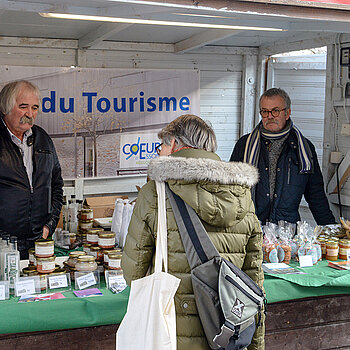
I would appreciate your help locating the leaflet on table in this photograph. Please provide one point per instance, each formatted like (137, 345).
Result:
(340, 265)
(92, 292)
(40, 297)
(280, 268)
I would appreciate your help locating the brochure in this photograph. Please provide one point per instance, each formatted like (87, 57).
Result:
(50, 296)
(88, 293)
(280, 268)
(340, 265)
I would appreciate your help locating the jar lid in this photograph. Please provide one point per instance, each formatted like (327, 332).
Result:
(95, 248)
(76, 253)
(344, 241)
(86, 258)
(94, 230)
(114, 256)
(31, 251)
(88, 221)
(50, 258)
(44, 242)
(106, 235)
(72, 234)
(85, 210)
(58, 271)
(29, 272)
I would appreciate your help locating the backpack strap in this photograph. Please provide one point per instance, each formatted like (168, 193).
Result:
(192, 231)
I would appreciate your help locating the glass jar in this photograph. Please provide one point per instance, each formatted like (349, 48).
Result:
(86, 248)
(46, 265)
(44, 248)
(108, 251)
(86, 263)
(106, 240)
(114, 261)
(29, 271)
(332, 250)
(85, 225)
(72, 238)
(86, 214)
(92, 235)
(97, 252)
(344, 248)
(32, 260)
(322, 243)
(73, 256)
(43, 281)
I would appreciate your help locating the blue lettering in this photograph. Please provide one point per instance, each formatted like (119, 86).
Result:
(142, 102)
(167, 101)
(89, 102)
(152, 106)
(142, 150)
(115, 105)
(124, 151)
(152, 147)
(184, 103)
(70, 109)
(131, 103)
(107, 105)
(52, 103)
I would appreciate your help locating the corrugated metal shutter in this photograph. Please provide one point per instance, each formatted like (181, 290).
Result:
(304, 79)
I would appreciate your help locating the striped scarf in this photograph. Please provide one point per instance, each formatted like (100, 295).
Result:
(252, 146)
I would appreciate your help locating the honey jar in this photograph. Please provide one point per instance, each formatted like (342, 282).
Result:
(86, 214)
(114, 261)
(44, 248)
(73, 257)
(86, 263)
(344, 248)
(106, 240)
(97, 252)
(92, 235)
(46, 265)
(332, 250)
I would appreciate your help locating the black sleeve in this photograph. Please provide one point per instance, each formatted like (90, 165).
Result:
(238, 150)
(315, 194)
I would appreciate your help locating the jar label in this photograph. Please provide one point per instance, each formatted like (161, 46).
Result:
(106, 242)
(44, 250)
(48, 265)
(92, 237)
(332, 252)
(86, 225)
(116, 263)
(344, 251)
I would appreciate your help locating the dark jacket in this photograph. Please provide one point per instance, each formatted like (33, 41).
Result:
(219, 192)
(23, 212)
(290, 185)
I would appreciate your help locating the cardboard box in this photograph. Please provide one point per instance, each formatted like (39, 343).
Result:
(102, 206)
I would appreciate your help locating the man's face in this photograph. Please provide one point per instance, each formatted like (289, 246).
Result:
(274, 103)
(23, 114)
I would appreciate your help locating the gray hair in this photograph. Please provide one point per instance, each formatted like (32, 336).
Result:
(10, 91)
(276, 92)
(190, 130)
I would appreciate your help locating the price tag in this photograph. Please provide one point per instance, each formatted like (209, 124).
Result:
(86, 281)
(25, 287)
(2, 292)
(57, 281)
(119, 280)
(305, 260)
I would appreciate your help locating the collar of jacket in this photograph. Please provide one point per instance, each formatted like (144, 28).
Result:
(200, 165)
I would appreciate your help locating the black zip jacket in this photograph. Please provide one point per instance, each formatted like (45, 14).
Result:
(24, 212)
(290, 185)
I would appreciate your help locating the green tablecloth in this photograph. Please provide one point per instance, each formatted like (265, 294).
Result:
(318, 280)
(71, 312)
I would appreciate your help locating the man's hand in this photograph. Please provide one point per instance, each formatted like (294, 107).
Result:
(46, 231)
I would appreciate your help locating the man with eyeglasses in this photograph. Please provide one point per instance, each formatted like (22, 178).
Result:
(287, 164)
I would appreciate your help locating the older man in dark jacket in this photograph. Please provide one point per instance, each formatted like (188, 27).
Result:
(287, 164)
(31, 186)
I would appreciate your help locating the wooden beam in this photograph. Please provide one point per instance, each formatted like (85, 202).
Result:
(103, 32)
(204, 38)
(344, 172)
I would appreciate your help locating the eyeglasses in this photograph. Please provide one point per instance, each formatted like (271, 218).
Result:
(159, 148)
(274, 112)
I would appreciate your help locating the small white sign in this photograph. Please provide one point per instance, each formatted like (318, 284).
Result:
(86, 281)
(305, 260)
(57, 281)
(116, 280)
(2, 292)
(348, 255)
(25, 287)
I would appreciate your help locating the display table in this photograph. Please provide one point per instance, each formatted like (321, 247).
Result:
(316, 317)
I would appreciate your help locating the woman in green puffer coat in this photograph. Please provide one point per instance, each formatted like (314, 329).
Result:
(219, 192)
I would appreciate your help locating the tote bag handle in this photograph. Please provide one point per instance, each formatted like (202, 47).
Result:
(161, 242)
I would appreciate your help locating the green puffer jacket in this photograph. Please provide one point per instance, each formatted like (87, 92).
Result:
(219, 192)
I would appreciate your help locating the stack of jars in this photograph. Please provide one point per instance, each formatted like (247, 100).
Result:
(42, 261)
(86, 218)
(334, 248)
(99, 244)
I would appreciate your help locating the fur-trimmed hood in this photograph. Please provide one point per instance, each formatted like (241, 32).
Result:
(202, 169)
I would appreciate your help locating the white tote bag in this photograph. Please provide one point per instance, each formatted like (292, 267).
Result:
(150, 321)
